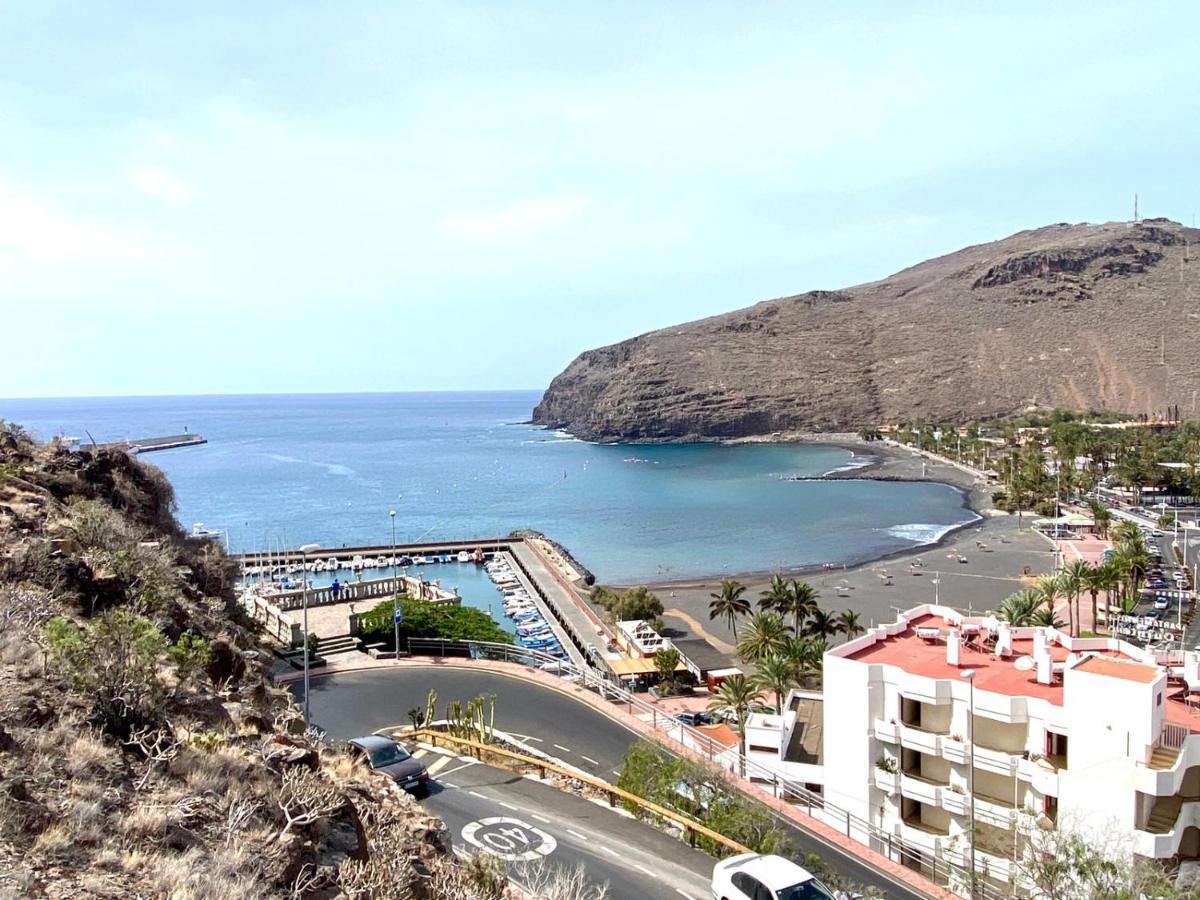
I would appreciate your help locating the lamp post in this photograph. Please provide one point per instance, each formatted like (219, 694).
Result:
(304, 551)
(969, 674)
(395, 592)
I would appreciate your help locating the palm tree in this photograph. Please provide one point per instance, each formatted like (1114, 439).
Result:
(807, 656)
(1045, 618)
(802, 603)
(775, 598)
(1101, 517)
(1095, 580)
(1073, 579)
(735, 694)
(729, 604)
(776, 675)
(821, 624)
(765, 636)
(1049, 588)
(849, 625)
(1018, 609)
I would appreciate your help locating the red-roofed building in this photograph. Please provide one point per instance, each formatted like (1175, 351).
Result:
(1091, 734)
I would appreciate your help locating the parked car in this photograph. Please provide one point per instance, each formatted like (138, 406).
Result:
(694, 718)
(1161, 603)
(384, 755)
(751, 876)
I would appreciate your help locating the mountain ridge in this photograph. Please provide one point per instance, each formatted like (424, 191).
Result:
(1075, 315)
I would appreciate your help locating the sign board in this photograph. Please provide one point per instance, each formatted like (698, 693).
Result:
(509, 839)
(1145, 629)
(398, 616)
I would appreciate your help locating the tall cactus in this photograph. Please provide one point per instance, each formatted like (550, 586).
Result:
(430, 707)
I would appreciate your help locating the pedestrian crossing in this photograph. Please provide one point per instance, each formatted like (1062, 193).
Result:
(438, 759)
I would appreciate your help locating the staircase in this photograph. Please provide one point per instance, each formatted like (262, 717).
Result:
(1164, 757)
(343, 643)
(1164, 815)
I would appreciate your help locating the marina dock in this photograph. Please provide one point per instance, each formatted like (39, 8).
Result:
(150, 444)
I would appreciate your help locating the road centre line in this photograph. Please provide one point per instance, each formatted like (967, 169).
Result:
(576, 835)
(589, 759)
(609, 850)
(477, 794)
(541, 819)
(644, 870)
(508, 806)
(564, 749)
(466, 765)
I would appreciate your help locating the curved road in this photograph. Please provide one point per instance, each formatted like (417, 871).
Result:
(347, 704)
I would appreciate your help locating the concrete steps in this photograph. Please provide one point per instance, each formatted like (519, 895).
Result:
(343, 643)
(1163, 757)
(1164, 815)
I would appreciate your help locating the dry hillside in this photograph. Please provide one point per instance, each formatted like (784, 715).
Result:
(1082, 316)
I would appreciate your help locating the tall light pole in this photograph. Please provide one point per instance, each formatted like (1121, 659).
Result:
(395, 592)
(304, 551)
(969, 674)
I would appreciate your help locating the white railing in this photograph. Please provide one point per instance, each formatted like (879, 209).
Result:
(1173, 736)
(352, 591)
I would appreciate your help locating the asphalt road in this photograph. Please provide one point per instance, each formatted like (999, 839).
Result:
(355, 703)
(514, 818)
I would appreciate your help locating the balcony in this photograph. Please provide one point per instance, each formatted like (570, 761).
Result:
(954, 802)
(1042, 774)
(914, 738)
(888, 782)
(1001, 762)
(954, 750)
(995, 811)
(888, 732)
(924, 789)
(922, 835)
(1169, 821)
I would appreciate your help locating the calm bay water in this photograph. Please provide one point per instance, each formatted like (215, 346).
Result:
(328, 468)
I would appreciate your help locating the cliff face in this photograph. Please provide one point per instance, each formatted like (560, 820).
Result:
(1066, 315)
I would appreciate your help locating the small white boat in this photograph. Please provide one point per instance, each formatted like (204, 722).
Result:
(199, 531)
(464, 556)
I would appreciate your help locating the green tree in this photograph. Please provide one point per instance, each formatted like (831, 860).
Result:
(1101, 517)
(735, 695)
(1073, 580)
(775, 675)
(849, 625)
(807, 657)
(1018, 609)
(423, 619)
(729, 603)
(637, 603)
(821, 624)
(765, 635)
(775, 597)
(666, 659)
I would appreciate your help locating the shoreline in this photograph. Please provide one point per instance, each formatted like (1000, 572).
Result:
(885, 463)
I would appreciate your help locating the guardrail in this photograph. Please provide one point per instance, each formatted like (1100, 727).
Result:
(691, 828)
(728, 759)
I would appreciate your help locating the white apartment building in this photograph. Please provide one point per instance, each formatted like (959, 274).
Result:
(1092, 735)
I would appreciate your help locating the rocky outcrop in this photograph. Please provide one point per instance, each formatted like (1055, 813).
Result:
(1081, 316)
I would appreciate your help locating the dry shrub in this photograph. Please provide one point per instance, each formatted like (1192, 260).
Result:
(54, 841)
(86, 820)
(88, 755)
(145, 823)
(192, 876)
(223, 771)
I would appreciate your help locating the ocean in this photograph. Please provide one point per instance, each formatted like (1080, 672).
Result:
(287, 470)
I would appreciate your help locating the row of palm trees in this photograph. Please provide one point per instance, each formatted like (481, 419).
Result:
(1119, 577)
(795, 598)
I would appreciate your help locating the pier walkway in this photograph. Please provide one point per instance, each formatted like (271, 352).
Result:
(587, 631)
(146, 445)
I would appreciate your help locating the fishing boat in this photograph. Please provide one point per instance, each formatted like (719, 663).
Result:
(464, 556)
(202, 533)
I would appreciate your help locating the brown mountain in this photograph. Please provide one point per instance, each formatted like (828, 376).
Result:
(1082, 316)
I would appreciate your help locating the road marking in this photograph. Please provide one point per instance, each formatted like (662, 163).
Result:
(644, 870)
(576, 834)
(438, 764)
(684, 893)
(615, 772)
(466, 765)
(609, 851)
(509, 839)
(477, 794)
(508, 806)
(540, 818)
(564, 749)
(589, 759)
(448, 784)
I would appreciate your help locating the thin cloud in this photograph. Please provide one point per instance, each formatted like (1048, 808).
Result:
(519, 221)
(161, 184)
(32, 230)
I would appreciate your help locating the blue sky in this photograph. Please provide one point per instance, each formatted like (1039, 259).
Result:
(214, 198)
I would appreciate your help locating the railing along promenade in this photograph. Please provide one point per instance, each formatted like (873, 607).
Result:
(728, 759)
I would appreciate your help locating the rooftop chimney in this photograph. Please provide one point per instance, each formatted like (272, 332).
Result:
(1004, 641)
(1041, 657)
(952, 647)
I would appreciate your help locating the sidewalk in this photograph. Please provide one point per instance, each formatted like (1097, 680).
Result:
(910, 879)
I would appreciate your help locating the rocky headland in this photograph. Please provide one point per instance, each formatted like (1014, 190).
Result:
(1080, 316)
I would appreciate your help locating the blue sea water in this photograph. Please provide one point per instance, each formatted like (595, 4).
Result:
(327, 469)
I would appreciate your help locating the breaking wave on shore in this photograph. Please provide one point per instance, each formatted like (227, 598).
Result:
(921, 532)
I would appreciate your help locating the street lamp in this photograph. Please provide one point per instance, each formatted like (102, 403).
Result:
(306, 549)
(969, 674)
(395, 592)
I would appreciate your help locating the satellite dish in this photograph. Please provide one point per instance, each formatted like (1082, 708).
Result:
(1024, 664)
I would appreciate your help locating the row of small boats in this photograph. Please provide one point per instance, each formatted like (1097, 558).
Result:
(533, 631)
(360, 562)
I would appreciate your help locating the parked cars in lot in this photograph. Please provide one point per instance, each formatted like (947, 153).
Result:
(1161, 603)
(694, 718)
(383, 755)
(752, 876)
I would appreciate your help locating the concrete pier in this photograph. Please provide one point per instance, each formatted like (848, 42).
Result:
(150, 444)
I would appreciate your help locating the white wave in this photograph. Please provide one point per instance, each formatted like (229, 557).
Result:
(856, 462)
(920, 532)
(331, 468)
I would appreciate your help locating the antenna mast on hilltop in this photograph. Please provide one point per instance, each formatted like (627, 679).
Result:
(1135, 214)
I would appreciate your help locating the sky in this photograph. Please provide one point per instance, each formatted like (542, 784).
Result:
(260, 197)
